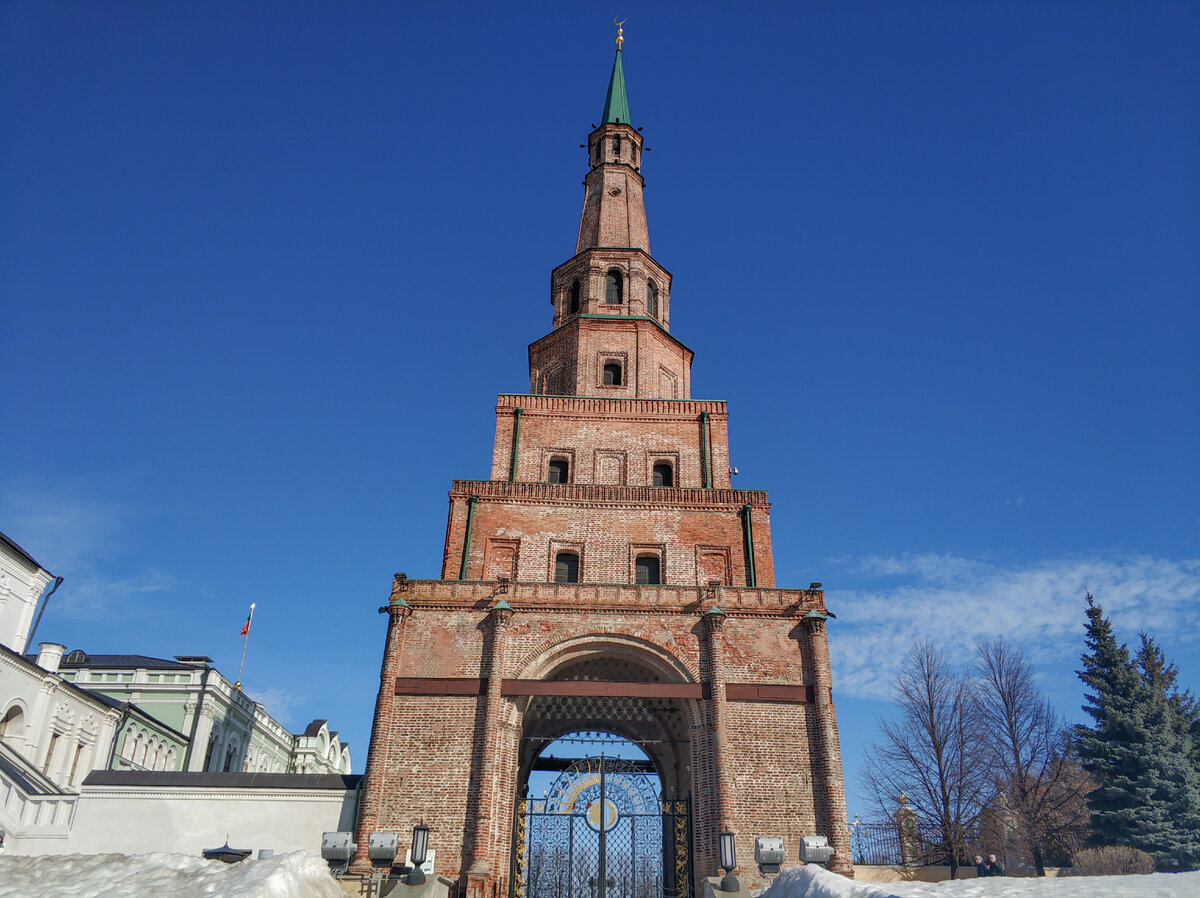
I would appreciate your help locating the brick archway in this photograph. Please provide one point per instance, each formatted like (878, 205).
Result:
(632, 681)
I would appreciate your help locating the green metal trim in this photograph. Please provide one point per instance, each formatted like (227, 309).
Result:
(814, 614)
(616, 103)
(704, 450)
(399, 600)
(715, 611)
(462, 568)
(748, 533)
(516, 440)
(502, 606)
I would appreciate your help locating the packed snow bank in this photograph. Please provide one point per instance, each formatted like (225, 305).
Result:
(295, 875)
(817, 882)
(1156, 885)
(811, 881)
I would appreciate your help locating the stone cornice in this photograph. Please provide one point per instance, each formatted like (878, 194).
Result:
(620, 598)
(630, 409)
(588, 495)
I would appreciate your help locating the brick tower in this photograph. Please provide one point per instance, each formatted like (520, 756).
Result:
(607, 577)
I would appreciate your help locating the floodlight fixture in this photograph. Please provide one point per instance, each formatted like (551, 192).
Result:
(382, 848)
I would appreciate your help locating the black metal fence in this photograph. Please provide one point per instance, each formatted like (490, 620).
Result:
(908, 843)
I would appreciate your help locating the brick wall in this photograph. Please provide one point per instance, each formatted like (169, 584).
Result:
(436, 765)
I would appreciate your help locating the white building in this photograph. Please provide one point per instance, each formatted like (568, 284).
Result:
(22, 582)
(171, 741)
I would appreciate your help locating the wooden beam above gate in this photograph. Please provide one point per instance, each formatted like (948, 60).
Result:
(735, 692)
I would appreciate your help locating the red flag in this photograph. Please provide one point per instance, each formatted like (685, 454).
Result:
(246, 625)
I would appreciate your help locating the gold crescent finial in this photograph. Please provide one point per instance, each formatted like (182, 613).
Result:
(620, 34)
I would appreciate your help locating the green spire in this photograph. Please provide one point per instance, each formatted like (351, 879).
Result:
(616, 104)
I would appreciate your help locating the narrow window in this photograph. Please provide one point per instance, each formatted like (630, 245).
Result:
(613, 289)
(50, 753)
(651, 299)
(228, 760)
(616, 146)
(647, 568)
(559, 469)
(566, 568)
(612, 375)
(575, 297)
(663, 475)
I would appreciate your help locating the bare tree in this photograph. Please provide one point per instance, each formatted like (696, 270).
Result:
(1029, 748)
(932, 751)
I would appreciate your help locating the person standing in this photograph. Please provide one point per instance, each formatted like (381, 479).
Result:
(980, 866)
(994, 867)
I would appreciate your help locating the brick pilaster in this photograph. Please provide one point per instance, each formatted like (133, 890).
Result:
(371, 796)
(713, 621)
(829, 761)
(480, 873)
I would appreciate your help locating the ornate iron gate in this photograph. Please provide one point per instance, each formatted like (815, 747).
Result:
(602, 831)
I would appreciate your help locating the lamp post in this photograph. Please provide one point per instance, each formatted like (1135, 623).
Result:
(728, 852)
(420, 847)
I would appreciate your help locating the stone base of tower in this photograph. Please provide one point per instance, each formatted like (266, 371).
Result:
(727, 689)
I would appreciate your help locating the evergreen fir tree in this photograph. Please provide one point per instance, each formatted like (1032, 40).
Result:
(1139, 750)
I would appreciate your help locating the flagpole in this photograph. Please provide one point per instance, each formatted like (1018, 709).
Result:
(245, 642)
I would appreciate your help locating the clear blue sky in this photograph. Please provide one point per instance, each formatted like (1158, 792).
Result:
(264, 268)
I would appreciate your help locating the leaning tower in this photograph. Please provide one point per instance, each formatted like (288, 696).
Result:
(607, 577)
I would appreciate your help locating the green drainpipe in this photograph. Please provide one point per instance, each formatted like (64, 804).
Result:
(704, 450)
(748, 530)
(462, 568)
(512, 467)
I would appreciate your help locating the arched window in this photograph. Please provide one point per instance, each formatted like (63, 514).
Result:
(574, 297)
(612, 374)
(228, 760)
(613, 288)
(566, 567)
(12, 725)
(616, 145)
(560, 470)
(647, 569)
(651, 299)
(212, 746)
(663, 474)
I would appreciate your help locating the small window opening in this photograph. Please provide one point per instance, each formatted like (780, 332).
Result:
(575, 297)
(613, 289)
(663, 475)
(647, 568)
(566, 568)
(616, 146)
(651, 299)
(559, 469)
(612, 375)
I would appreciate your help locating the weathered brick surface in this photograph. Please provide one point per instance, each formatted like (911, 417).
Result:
(436, 759)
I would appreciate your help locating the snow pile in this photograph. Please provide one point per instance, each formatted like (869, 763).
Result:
(811, 881)
(817, 882)
(295, 875)
(1156, 885)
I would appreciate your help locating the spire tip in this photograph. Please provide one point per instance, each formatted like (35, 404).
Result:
(620, 33)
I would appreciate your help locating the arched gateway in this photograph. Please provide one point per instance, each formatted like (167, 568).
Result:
(609, 579)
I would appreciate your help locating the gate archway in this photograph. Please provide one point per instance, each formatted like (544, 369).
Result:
(623, 824)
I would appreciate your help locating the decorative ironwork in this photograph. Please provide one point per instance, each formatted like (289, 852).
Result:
(601, 831)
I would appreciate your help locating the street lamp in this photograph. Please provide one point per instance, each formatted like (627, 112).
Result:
(728, 851)
(420, 846)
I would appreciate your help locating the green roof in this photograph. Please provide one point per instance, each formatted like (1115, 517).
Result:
(616, 104)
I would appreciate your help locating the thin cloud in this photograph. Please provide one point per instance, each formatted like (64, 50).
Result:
(959, 601)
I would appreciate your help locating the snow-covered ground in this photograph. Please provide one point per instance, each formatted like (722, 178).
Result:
(300, 875)
(295, 875)
(816, 882)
